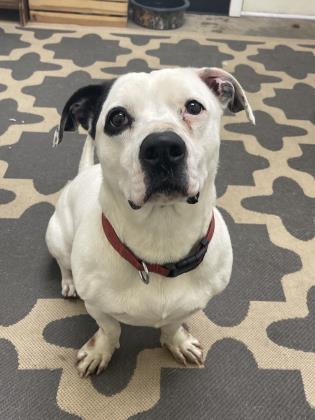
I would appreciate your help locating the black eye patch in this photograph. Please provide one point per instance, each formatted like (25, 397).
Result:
(117, 121)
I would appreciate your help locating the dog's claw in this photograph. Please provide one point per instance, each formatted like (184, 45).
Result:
(194, 357)
(185, 356)
(101, 366)
(181, 358)
(81, 355)
(197, 344)
(95, 366)
(185, 348)
(91, 361)
(68, 290)
(92, 368)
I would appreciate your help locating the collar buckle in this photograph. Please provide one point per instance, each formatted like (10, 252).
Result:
(144, 275)
(190, 262)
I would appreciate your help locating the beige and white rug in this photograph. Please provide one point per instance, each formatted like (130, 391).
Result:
(259, 334)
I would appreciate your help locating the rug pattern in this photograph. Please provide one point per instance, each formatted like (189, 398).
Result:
(258, 334)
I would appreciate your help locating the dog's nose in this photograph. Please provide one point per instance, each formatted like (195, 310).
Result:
(162, 149)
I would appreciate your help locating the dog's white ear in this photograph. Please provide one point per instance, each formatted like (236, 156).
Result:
(82, 108)
(227, 89)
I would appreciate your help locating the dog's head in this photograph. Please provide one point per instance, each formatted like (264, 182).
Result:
(157, 134)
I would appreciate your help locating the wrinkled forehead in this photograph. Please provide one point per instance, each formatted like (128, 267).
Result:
(169, 86)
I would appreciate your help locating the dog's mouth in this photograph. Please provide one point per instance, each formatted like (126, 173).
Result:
(133, 205)
(165, 196)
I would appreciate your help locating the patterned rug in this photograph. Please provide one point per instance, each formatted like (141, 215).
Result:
(259, 334)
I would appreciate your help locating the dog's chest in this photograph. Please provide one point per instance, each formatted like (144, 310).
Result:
(108, 282)
(129, 300)
(158, 305)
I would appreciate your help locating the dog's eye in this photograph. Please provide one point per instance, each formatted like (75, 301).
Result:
(117, 120)
(194, 107)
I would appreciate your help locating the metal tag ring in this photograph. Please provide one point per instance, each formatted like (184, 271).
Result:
(144, 275)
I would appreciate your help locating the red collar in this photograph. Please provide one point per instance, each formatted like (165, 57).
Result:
(193, 259)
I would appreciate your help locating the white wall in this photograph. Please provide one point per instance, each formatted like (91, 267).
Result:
(292, 7)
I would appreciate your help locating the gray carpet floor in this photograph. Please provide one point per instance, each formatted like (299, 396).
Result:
(258, 334)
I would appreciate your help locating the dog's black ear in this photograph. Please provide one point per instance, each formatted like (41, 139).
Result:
(82, 108)
(227, 89)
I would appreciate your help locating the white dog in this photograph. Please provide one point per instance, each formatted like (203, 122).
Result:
(148, 208)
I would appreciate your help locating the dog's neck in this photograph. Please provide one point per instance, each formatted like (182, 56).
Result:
(159, 234)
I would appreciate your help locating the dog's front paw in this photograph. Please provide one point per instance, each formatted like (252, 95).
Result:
(90, 361)
(68, 288)
(94, 356)
(184, 347)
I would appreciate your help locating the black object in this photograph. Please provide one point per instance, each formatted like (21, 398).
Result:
(189, 263)
(213, 7)
(159, 14)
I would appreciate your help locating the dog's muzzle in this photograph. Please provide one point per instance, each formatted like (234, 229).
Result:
(163, 160)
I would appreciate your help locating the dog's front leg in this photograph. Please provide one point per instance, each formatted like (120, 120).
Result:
(96, 353)
(183, 346)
